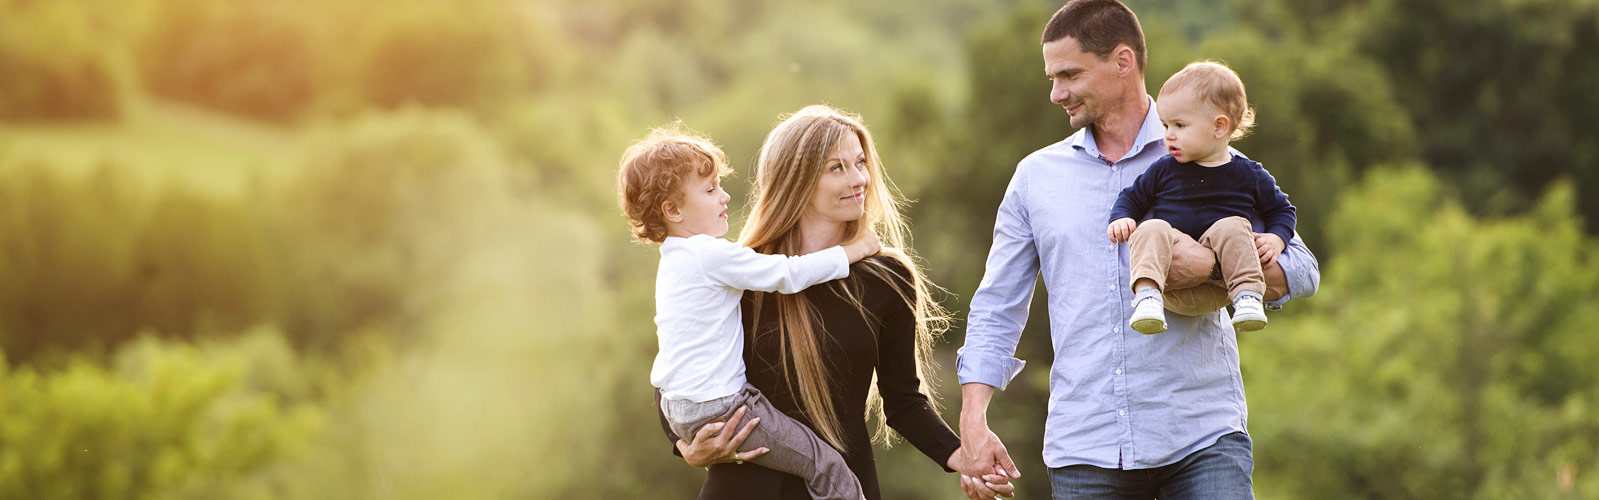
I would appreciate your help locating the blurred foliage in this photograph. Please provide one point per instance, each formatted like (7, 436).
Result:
(164, 420)
(51, 65)
(1454, 349)
(369, 248)
(254, 58)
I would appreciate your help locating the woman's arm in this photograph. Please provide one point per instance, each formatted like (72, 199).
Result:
(906, 409)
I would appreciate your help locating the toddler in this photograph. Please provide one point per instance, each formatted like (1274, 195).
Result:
(1204, 190)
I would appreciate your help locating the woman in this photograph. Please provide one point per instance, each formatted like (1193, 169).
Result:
(815, 354)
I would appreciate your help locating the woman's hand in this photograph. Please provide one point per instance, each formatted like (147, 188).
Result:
(712, 446)
(987, 487)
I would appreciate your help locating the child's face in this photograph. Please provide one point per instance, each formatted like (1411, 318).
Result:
(702, 209)
(1195, 131)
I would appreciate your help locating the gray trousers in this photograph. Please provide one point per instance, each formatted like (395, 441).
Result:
(794, 448)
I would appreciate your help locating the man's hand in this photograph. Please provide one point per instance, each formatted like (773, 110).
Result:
(1191, 263)
(1269, 246)
(987, 487)
(1121, 229)
(983, 452)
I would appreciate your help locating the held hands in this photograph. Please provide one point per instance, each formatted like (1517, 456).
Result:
(991, 484)
(865, 245)
(1121, 229)
(1269, 246)
(985, 466)
(713, 446)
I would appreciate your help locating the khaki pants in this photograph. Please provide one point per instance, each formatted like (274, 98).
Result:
(1234, 243)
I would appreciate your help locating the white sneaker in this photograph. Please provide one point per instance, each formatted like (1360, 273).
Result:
(1149, 315)
(1248, 315)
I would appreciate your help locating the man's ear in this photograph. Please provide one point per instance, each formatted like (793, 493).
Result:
(1126, 61)
(670, 210)
(1222, 125)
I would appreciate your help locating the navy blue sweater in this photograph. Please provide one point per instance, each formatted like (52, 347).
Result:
(1191, 196)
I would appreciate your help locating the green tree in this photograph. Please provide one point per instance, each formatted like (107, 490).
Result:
(1445, 353)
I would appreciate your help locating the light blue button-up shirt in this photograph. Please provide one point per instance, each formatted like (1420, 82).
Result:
(1117, 398)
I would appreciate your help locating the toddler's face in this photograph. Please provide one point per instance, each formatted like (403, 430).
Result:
(1192, 131)
(703, 207)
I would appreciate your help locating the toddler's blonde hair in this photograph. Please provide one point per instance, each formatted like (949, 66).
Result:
(1217, 85)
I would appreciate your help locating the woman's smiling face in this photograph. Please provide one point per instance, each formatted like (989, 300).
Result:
(840, 194)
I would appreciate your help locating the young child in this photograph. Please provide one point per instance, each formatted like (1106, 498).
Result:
(1201, 188)
(670, 190)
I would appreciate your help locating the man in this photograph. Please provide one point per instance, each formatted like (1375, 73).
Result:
(1130, 415)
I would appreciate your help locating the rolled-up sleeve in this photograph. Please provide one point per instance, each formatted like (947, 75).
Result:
(1301, 269)
(999, 308)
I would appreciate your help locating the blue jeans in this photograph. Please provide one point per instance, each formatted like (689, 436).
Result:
(1219, 472)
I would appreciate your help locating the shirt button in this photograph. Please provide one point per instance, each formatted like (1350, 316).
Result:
(1116, 330)
(1122, 412)
(1118, 371)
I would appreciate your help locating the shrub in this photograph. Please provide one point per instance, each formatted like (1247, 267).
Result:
(456, 54)
(252, 58)
(53, 67)
(170, 420)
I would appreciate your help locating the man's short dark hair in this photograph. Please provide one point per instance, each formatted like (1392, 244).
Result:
(1098, 26)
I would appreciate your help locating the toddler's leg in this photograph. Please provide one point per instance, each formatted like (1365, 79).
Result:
(1149, 249)
(1234, 243)
(798, 451)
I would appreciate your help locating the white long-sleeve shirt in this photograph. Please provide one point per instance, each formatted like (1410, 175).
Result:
(698, 323)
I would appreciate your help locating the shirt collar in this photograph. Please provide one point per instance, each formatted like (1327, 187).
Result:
(1148, 133)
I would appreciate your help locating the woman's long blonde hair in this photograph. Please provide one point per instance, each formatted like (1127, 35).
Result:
(792, 161)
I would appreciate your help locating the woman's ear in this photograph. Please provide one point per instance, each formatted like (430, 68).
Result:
(1223, 126)
(670, 210)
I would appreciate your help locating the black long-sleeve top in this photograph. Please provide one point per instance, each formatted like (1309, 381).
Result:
(852, 351)
(1191, 196)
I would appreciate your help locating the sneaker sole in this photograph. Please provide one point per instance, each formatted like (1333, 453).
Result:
(1149, 326)
(1249, 325)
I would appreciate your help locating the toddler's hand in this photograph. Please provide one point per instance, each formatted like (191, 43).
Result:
(1269, 246)
(1121, 229)
(865, 245)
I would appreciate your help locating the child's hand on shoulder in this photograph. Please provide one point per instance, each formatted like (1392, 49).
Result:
(1269, 246)
(865, 245)
(1121, 229)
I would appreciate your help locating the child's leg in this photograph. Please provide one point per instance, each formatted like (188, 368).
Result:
(798, 451)
(1234, 243)
(1149, 250)
(1240, 270)
(1193, 301)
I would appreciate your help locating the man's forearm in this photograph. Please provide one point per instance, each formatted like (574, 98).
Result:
(1276, 281)
(974, 404)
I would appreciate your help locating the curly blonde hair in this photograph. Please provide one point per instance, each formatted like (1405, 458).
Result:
(653, 170)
